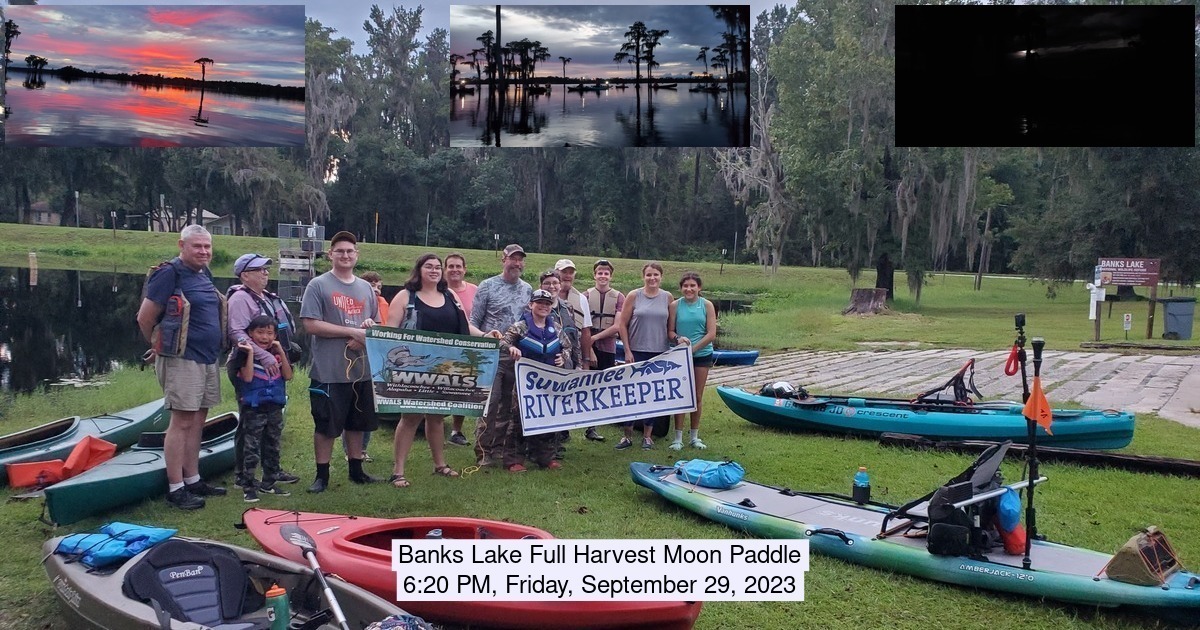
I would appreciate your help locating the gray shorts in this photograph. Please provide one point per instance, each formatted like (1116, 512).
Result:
(187, 385)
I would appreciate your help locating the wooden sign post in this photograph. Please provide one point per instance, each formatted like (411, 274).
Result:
(1131, 272)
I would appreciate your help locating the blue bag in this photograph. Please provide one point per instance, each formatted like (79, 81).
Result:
(709, 474)
(1008, 512)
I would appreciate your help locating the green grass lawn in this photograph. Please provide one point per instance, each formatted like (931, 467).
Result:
(593, 497)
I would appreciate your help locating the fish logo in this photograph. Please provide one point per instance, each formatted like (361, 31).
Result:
(402, 357)
(655, 367)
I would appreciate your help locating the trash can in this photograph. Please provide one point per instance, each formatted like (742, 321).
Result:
(1178, 313)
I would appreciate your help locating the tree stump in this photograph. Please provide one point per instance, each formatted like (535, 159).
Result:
(866, 302)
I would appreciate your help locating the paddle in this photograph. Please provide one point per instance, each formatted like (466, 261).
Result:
(1030, 512)
(293, 534)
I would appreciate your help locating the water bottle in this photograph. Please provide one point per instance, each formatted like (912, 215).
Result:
(861, 492)
(279, 612)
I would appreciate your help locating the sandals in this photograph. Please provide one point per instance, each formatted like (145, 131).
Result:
(398, 481)
(445, 471)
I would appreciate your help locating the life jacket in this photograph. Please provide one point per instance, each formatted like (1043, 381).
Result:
(114, 543)
(262, 389)
(540, 344)
(273, 305)
(604, 311)
(169, 336)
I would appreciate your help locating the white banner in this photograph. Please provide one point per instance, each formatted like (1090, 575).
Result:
(553, 399)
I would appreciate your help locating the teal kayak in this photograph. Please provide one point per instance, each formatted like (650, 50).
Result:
(137, 474)
(836, 526)
(720, 357)
(54, 440)
(871, 417)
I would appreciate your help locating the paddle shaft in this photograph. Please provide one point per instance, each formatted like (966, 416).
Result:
(333, 602)
(1030, 512)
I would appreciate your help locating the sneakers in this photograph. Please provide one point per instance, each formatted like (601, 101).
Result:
(647, 444)
(270, 488)
(250, 495)
(184, 500)
(366, 457)
(592, 435)
(516, 468)
(204, 489)
(696, 443)
(623, 444)
(285, 477)
(318, 485)
(554, 465)
(676, 446)
(458, 439)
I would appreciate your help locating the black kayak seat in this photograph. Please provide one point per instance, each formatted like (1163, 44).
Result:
(193, 582)
(977, 479)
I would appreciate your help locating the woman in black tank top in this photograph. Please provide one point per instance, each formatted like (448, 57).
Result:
(436, 310)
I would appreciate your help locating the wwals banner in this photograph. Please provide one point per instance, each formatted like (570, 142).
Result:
(414, 371)
(553, 399)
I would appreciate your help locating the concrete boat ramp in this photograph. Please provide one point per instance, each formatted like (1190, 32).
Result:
(1168, 385)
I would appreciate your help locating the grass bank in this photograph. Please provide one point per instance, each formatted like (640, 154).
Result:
(799, 307)
(593, 497)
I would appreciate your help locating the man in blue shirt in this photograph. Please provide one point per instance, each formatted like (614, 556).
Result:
(177, 293)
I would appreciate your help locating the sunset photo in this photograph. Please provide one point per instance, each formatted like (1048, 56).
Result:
(155, 76)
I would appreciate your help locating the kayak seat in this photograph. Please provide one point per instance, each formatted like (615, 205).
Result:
(982, 476)
(193, 582)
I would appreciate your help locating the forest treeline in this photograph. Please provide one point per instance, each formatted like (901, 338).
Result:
(822, 184)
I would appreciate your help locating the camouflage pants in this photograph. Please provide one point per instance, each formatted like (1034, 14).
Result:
(492, 426)
(258, 438)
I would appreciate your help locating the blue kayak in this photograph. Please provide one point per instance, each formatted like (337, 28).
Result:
(871, 417)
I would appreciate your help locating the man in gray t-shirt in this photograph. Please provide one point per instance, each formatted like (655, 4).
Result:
(499, 303)
(336, 309)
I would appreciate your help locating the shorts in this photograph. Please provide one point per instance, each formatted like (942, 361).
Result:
(707, 361)
(188, 385)
(338, 407)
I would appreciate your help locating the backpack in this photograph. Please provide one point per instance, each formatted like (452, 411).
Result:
(169, 336)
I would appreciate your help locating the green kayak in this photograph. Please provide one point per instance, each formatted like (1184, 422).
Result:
(137, 474)
(54, 440)
(880, 536)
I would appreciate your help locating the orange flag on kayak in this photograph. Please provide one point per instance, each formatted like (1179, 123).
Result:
(1037, 408)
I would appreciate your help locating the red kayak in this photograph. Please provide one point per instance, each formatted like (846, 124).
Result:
(359, 549)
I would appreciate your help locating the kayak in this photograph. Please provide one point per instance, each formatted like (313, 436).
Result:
(720, 357)
(137, 474)
(360, 548)
(55, 440)
(1073, 428)
(95, 599)
(838, 527)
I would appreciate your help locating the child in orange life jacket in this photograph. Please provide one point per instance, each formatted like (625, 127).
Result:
(261, 399)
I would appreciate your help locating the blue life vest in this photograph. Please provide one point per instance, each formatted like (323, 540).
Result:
(540, 344)
(262, 389)
(114, 543)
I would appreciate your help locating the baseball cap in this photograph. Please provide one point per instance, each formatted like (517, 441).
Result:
(249, 262)
(343, 236)
(509, 250)
(603, 262)
(563, 263)
(542, 295)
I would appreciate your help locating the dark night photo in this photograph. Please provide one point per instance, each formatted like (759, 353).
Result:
(1045, 76)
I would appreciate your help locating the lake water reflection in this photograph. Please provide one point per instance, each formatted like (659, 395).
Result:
(50, 112)
(629, 117)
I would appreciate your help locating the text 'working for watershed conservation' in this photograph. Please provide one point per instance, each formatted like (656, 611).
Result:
(600, 570)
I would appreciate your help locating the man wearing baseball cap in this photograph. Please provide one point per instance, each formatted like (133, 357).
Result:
(581, 332)
(499, 303)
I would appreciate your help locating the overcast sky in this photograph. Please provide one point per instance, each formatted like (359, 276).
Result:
(347, 16)
(591, 34)
(258, 44)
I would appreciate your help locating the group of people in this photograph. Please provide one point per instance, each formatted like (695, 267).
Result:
(556, 324)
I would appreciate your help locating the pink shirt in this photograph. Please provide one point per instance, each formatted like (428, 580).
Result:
(466, 295)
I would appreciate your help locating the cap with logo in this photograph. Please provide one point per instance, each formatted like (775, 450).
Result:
(542, 295)
(249, 262)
